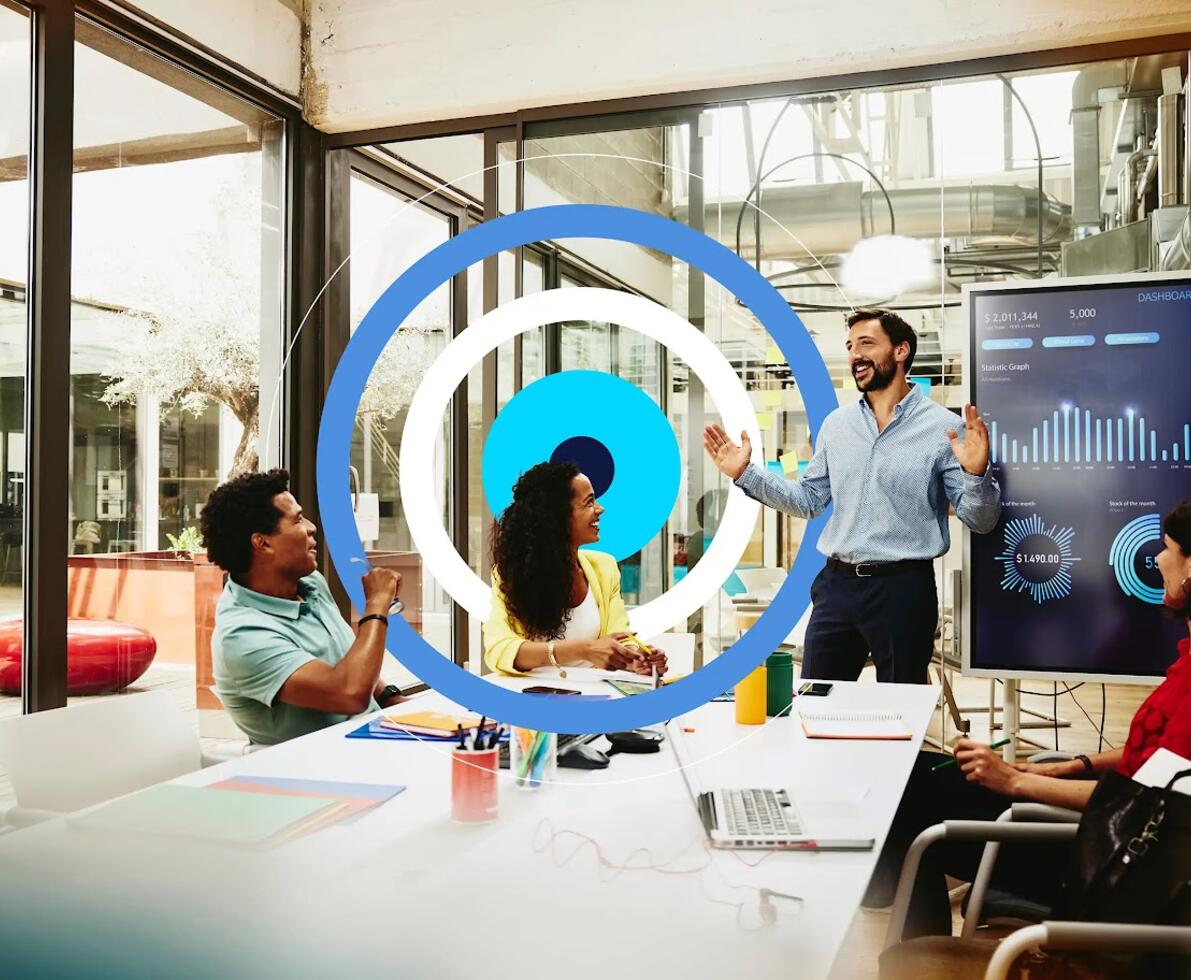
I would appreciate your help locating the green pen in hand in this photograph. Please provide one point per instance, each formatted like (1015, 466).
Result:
(954, 762)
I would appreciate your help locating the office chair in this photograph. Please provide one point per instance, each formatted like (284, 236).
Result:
(968, 956)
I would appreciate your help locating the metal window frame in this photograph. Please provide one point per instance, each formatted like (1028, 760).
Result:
(458, 215)
(47, 372)
(46, 535)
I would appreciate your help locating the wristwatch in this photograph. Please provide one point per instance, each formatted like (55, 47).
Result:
(377, 616)
(389, 692)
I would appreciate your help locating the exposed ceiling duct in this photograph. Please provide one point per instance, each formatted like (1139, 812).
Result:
(826, 219)
(1092, 88)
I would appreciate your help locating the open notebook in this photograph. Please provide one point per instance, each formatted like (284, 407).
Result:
(822, 723)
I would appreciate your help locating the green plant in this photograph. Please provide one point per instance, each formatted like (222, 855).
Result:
(189, 540)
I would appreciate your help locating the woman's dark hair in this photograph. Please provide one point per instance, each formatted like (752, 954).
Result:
(531, 550)
(1177, 525)
(894, 326)
(235, 512)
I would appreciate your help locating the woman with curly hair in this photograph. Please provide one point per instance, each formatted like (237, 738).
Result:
(554, 605)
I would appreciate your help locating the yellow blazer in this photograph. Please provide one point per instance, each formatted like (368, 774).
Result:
(502, 638)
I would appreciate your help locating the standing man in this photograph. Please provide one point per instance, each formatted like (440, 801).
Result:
(285, 661)
(890, 462)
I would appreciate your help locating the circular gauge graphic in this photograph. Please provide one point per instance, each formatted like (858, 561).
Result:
(1132, 556)
(1037, 559)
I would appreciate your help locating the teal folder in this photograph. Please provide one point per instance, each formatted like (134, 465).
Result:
(224, 816)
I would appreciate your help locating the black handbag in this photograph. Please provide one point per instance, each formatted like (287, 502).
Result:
(1132, 855)
(1131, 863)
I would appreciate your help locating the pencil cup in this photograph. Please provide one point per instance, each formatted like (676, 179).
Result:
(532, 757)
(750, 699)
(473, 785)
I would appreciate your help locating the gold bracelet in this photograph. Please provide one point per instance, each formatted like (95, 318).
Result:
(550, 656)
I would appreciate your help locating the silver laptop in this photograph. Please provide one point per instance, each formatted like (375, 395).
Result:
(770, 819)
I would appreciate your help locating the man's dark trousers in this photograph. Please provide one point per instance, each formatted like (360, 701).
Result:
(890, 617)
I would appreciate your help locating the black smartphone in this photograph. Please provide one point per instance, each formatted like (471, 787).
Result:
(548, 690)
(815, 689)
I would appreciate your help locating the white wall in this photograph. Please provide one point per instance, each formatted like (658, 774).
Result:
(263, 36)
(385, 62)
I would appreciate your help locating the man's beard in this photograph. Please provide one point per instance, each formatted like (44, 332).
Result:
(880, 377)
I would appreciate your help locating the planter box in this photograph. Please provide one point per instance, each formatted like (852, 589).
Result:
(170, 595)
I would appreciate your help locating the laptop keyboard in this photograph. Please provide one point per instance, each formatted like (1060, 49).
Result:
(758, 813)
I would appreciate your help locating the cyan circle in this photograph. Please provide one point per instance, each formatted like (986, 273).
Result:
(390, 311)
(617, 414)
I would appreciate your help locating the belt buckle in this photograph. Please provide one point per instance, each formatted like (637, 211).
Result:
(859, 573)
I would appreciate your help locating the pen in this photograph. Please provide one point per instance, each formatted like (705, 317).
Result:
(462, 743)
(479, 731)
(953, 761)
(396, 606)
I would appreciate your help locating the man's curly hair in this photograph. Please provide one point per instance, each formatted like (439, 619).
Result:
(237, 510)
(531, 550)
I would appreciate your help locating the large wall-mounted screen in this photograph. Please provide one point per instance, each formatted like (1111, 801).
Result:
(1086, 388)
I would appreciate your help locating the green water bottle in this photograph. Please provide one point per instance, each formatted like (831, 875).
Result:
(779, 683)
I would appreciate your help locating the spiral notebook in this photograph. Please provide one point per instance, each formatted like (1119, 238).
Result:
(818, 723)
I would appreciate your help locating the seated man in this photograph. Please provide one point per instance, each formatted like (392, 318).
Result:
(285, 661)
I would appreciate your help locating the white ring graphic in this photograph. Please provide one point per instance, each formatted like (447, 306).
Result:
(557, 306)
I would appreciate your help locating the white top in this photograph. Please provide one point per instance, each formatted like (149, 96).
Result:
(583, 623)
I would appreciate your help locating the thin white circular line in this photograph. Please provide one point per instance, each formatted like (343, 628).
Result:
(446, 185)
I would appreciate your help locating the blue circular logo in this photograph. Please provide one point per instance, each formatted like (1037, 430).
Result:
(390, 311)
(577, 413)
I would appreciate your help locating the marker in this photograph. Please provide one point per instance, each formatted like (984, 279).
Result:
(953, 761)
(475, 744)
(462, 743)
(397, 605)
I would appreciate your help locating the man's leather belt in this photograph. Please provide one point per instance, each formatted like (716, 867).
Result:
(868, 569)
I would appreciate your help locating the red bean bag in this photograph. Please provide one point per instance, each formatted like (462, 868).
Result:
(100, 655)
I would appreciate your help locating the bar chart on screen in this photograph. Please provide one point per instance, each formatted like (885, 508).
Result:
(1072, 434)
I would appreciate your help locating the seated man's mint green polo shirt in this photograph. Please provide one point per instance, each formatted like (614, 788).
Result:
(260, 640)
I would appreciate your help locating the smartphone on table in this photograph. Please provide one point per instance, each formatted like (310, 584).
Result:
(815, 689)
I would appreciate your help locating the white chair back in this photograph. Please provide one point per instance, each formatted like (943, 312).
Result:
(69, 758)
(762, 582)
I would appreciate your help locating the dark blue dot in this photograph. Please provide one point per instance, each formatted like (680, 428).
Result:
(592, 458)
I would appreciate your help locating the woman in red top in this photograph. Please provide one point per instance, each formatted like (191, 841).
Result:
(984, 785)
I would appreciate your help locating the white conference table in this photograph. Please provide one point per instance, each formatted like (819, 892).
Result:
(541, 890)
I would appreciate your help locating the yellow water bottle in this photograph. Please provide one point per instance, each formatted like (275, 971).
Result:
(750, 698)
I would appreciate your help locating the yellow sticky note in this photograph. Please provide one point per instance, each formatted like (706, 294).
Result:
(773, 355)
(765, 421)
(771, 398)
(789, 462)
